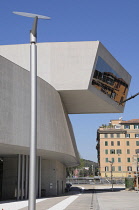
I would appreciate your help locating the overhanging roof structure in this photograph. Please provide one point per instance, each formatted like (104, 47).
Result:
(88, 78)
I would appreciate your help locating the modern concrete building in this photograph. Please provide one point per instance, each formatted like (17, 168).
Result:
(118, 146)
(73, 78)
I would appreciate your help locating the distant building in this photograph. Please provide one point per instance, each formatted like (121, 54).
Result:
(118, 147)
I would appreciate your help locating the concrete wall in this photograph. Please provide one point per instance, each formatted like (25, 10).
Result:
(53, 178)
(53, 135)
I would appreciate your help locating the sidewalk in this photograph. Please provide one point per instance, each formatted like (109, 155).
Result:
(84, 197)
(119, 199)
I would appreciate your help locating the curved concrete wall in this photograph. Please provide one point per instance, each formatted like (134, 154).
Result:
(55, 139)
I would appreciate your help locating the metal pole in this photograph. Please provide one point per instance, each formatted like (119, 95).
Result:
(137, 173)
(19, 177)
(33, 144)
(23, 177)
(40, 177)
(111, 177)
(26, 179)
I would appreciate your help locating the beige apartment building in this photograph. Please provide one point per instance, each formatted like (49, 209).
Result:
(118, 148)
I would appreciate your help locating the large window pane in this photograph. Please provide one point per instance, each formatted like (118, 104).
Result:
(112, 151)
(106, 143)
(109, 82)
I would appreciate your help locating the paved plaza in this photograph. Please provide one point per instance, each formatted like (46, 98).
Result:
(84, 197)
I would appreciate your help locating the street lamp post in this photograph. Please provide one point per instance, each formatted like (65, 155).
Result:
(33, 140)
(111, 174)
(137, 173)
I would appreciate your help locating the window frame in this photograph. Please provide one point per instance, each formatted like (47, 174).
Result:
(112, 150)
(136, 134)
(106, 143)
(127, 135)
(127, 143)
(128, 151)
(126, 126)
(105, 135)
(137, 126)
(118, 143)
(106, 151)
(118, 135)
(137, 143)
(112, 143)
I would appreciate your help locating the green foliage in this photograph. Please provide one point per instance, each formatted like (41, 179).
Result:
(81, 168)
(129, 183)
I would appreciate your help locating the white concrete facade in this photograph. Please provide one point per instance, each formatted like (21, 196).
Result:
(65, 75)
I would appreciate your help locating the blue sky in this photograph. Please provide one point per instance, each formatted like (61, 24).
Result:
(114, 23)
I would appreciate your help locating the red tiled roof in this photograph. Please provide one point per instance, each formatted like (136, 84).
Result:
(130, 121)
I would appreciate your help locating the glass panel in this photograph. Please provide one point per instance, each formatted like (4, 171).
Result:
(118, 135)
(109, 82)
(128, 151)
(136, 135)
(126, 126)
(137, 143)
(112, 151)
(106, 143)
(127, 135)
(105, 135)
(118, 143)
(106, 168)
(136, 126)
(119, 151)
(106, 151)
(127, 143)
(112, 135)
(112, 143)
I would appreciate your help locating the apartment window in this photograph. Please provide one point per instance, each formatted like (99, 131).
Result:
(129, 168)
(112, 143)
(106, 168)
(127, 143)
(127, 135)
(136, 151)
(105, 135)
(106, 151)
(136, 126)
(112, 151)
(137, 143)
(119, 168)
(119, 151)
(126, 126)
(128, 151)
(137, 168)
(118, 143)
(112, 160)
(112, 135)
(106, 143)
(138, 160)
(119, 160)
(128, 160)
(118, 135)
(113, 168)
(136, 135)
(106, 160)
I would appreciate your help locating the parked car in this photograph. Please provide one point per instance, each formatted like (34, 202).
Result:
(68, 186)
